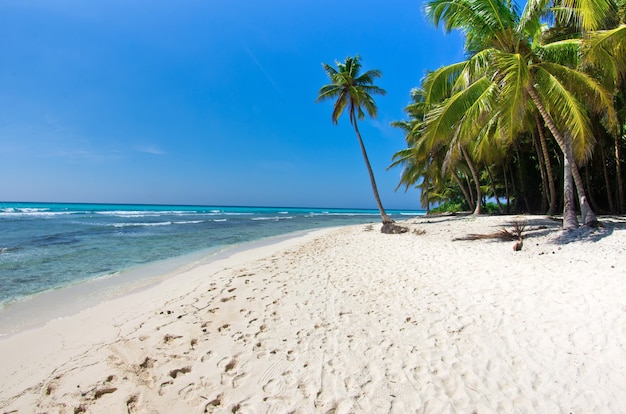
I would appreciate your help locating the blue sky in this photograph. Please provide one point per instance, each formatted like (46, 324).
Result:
(203, 101)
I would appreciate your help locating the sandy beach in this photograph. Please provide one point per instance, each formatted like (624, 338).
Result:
(349, 320)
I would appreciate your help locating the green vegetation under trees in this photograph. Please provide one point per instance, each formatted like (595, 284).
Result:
(540, 100)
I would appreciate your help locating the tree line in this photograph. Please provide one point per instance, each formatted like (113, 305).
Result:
(533, 119)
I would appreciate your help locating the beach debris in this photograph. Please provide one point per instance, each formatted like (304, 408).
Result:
(147, 363)
(419, 232)
(393, 228)
(99, 393)
(175, 372)
(518, 229)
(503, 235)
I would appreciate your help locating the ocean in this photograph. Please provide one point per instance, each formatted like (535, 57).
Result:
(49, 246)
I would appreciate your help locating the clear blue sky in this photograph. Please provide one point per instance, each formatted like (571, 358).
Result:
(203, 101)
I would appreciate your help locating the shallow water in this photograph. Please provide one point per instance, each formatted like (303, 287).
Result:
(47, 246)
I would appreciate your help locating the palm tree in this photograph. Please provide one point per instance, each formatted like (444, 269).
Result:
(605, 53)
(352, 89)
(508, 68)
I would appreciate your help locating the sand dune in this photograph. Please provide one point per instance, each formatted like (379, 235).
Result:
(351, 320)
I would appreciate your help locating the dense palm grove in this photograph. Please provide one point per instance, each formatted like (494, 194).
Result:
(533, 120)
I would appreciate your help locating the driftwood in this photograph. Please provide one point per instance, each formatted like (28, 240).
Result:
(393, 228)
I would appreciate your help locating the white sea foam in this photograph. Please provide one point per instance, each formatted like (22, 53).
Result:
(328, 214)
(236, 214)
(271, 218)
(162, 223)
(134, 214)
(219, 220)
(31, 212)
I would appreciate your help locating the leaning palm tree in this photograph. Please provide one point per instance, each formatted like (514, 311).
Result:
(352, 89)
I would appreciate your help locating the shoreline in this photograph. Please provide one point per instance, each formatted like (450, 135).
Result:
(351, 320)
(36, 310)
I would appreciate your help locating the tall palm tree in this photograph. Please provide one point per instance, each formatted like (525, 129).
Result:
(490, 92)
(352, 89)
(605, 53)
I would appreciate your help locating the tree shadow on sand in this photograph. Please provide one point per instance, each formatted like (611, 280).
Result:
(592, 234)
(531, 227)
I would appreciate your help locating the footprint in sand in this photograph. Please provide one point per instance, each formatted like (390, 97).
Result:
(163, 388)
(214, 404)
(176, 372)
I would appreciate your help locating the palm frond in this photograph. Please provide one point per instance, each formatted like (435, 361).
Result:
(568, 112)
(481, 20)
(437, 85)
(514, 78)
(564, 52)
(584, 14)
(444, 118)
(587, 88)
(606, 50)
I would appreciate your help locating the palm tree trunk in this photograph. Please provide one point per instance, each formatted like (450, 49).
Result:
(618, 168)
(472, 168)
(570, 221)
(522, 182)
(470, 191)
(542, 169)
(548, 165)
(607, 181)
(493, 188)
(516, 194)
(591, 198)
(464, 190)
(506, 189)
(588, 216)
(383, 215)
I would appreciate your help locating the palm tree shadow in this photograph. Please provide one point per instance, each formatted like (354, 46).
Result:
(592, 234)
(545, 227)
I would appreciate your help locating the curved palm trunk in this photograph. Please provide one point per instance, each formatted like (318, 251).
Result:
(472, 168)
(506, 189)
(549, 173)
(383, 215)
(469, 190)
(493, 188)
(588, 216)
(570, 221)
(465, 192)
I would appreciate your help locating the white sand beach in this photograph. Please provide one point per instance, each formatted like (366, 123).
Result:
(350, 320)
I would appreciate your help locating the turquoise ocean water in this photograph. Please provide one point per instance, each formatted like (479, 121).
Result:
(47, 246)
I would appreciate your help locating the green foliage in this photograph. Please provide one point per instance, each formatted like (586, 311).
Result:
(453, 206)
(491, 208)
(545, 75)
